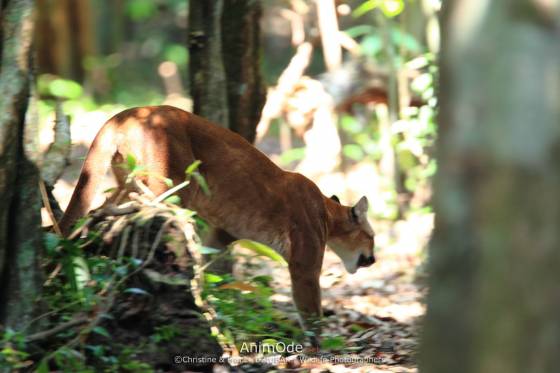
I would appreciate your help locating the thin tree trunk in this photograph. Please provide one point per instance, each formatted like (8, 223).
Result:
(20, 224)
(494, 304)
(241, 56)
(207, 74)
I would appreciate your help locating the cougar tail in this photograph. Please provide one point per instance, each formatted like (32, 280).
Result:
(96, 164)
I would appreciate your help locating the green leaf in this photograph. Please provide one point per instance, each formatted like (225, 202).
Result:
(121, 270)
(76, 270)
(350, 124)
(212, 278)
(366, 6)
(202, 182)
(51, 242)
(261, 249)
(65, 89)
(333, 343)
(392, 8)
(177, 53)
(101, 331)
(168, 182)
(130, 162)
(406, 159)
(43, 367)
(353, 152)
(205, 250)
(360, 30)
(405, 39)
(371, 45)
(292, 155)
(137, 291)
(193, 167)
(174, 200)
(140, 10)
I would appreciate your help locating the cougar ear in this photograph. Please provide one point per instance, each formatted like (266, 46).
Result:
(335, 198)
(360, 209)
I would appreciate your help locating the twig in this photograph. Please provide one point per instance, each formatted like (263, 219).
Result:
(216, 258)
(47, 205)
(79, 230)
(57, 329)
(50, 313)
(170, 192)
(124, 241)
(53, 274)
(124, 209)
(143, 188)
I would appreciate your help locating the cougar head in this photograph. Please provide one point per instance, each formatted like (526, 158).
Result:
(353, 239)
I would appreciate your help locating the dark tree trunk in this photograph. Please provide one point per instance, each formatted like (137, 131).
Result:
(207, 75)
(64, 37)
(241, 50)
(225, 79)
(493, 304)
(20, 223)
(224, 45)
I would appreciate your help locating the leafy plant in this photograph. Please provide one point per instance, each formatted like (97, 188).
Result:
(390, 8)
(245, 312)
(12, 351)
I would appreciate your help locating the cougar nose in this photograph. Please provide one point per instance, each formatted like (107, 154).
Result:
(364, 261)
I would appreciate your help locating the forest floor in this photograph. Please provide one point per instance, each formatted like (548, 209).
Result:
(376, 311)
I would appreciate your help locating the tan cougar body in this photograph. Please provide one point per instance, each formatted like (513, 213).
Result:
(250, 197)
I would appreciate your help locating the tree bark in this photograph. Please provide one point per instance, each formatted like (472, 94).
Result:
(20, 224)
(493, 304)
(241, 55)
(207, 73)
(226, 84)
(224, 45)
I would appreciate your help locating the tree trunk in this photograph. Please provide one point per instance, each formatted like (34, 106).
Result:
(64, 37)
(493, 304)
(207, 73)
(224, 45)
(226, 84)
(20, 223)
(241, 55)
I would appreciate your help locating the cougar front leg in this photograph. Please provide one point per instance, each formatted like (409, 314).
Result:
(306, 292)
